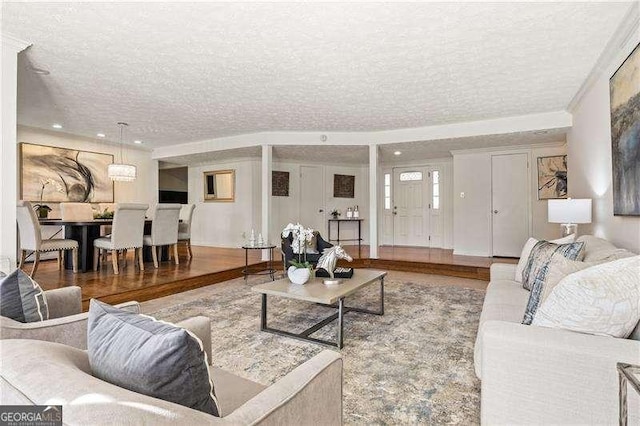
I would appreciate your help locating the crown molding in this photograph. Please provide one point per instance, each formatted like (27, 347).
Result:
(615, 48)
(507, 148)
(14, 43)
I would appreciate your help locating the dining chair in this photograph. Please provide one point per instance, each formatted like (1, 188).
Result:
(127, 231)
(76, 211)
(184, 227)
(31, 240)
(164, 230)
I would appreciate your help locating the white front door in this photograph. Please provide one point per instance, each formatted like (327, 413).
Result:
(312, 213)
(510, 203)
(410, 207)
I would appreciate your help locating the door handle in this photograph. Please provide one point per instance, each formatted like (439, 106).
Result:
(395, 213)
(321, 211)
(495, 212)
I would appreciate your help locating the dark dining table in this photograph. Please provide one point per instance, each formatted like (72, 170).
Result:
(85, 232)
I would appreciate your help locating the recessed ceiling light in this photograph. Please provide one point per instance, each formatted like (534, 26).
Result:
(397, 153)
(138, 142)
(57, 126)
(101, 135)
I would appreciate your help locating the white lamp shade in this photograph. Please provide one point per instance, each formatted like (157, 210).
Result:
(122, 172)
(570, 210)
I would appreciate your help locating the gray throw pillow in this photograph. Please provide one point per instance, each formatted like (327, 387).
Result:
(150, 357)
(22, 299)
(541, 255)
(548, 278)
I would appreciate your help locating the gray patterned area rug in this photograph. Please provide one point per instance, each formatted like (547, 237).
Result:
(414, 365)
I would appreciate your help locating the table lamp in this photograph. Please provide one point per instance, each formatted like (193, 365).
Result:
(570, 213)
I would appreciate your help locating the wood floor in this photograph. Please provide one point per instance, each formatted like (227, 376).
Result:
(212, 265)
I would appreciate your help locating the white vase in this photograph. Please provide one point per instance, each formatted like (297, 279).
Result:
(298, 275)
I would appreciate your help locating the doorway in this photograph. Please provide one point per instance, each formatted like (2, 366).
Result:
(312, 213)
(509, 203)
(414, 218)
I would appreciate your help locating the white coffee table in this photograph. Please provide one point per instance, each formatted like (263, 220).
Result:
(315, 291)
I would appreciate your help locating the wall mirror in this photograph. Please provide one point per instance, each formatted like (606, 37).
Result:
(219, 185)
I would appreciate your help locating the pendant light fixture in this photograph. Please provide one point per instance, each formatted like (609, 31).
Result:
(122, 172)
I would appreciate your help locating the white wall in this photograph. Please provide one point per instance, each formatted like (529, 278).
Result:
(143, 190)
(472, 220)
(287, 209)
(589, 148)
(222, 224)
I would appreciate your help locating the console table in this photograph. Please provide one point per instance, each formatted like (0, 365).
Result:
(338, 239)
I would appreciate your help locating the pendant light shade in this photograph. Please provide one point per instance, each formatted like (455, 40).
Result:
(121, 172)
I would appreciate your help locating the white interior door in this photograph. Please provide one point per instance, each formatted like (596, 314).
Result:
(410, 207)
(510, 203)
(312, 213)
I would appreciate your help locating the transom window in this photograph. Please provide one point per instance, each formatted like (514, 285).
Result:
(410, 176)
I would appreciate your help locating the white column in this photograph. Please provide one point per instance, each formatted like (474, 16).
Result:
(373, 201)
(267, 163)
(8, 148)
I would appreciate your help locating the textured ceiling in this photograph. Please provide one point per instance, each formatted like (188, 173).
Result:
(417, 151)
(185, 72)
(215, 156)
(358, 155)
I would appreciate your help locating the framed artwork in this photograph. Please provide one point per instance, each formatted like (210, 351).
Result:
(279, 184)
(552, 177)
(54, 174)
(344, 186)
(220, 185)
(624, 98)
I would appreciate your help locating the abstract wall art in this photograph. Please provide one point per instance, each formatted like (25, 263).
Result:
(55, 174)
(552, 177)
(624, 97)
(279, 184)
(344, 186)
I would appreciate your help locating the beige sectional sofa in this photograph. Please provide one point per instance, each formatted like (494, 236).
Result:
(536, 375)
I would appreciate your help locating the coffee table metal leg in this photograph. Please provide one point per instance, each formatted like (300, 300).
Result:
(340, 323)
(263, 313)
(246, 264)
(382, 296)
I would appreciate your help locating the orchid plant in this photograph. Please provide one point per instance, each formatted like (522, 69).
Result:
(42, 209)
(302, 237)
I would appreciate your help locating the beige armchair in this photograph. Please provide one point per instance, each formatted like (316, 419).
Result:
(31, 239)
(39, 372)
(66, 324)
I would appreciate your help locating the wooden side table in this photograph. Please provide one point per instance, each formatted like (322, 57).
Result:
(627, 374)
(257, 271)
